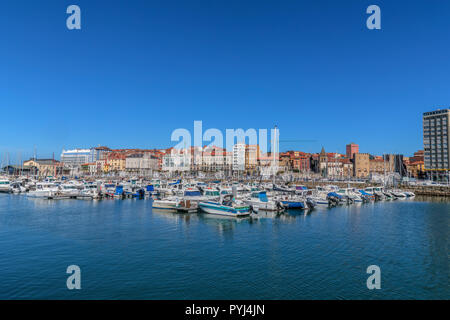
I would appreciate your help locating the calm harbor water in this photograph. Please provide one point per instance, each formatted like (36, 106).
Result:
(126, 251)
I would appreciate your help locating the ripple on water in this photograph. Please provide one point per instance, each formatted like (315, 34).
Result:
(126, 251)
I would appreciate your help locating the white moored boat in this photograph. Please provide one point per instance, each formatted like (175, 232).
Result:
(259, 201)
(5, 185)
(46, 190)
(225, 207)
(175, 204)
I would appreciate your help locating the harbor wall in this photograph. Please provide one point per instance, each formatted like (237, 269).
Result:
(440, 191)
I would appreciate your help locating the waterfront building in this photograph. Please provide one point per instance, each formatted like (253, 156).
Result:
(416, 169)
(285, 162)
(267, 165)
(229, 160)
(116, 162)
(334, 165)
(77, 157)
(418, 156)
(44, 167)
(197, 163)
(89, 169)
(323, 163)
(314, 164)
(101, 166)
(177, 160)
(214, 159)
(436, 133)
(141, 163)
(347, 167)
(351, 149)
(361, 165)
(295, 161)
(100, 153)
(19, 170)
(252, 155)
(239, 157)
(377, 166)
(395, 164)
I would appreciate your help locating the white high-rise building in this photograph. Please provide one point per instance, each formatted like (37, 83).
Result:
(77, 156)
(239, 157)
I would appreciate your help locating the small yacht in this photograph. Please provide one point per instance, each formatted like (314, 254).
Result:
(409, 194)
(46, 190)
(5, 186)
(192, 194)
(319, 196)
(388, 195)
(175, 204)
(259, 201)
(366, 196)
(211, 194)
(71, 189)
(399, 194)
(226, 206)
(90, 191)
(169, 203)
(290, 201)
(352, 196)
(17, 187)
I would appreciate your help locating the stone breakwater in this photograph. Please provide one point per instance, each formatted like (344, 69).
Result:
(428, 190)
(439, 191)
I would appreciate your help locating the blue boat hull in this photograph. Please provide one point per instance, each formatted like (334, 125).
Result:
(293, 204)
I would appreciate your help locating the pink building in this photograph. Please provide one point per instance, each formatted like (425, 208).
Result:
(351, 149)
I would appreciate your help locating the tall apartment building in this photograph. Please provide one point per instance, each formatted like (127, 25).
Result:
(239, 157)
(436, 132)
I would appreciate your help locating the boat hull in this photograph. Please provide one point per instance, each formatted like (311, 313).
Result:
(212, 208)
(294, 204)
(267, 206)
(164, 205)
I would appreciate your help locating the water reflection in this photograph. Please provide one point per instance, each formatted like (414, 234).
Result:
(432, 199)
(174, 216)
(255, 255)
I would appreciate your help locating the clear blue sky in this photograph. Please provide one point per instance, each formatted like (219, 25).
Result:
(140, 69)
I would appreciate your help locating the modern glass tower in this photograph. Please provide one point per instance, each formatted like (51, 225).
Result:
(436, 132)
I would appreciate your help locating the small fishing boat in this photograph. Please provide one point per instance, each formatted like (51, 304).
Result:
(226, 206)
(175, 204)
(169, 203)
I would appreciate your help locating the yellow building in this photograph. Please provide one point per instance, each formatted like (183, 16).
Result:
(44, 167)
(361, 165)
(116, 162)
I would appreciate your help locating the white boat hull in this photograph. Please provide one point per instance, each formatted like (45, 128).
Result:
(267, 206)
(222, 210)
